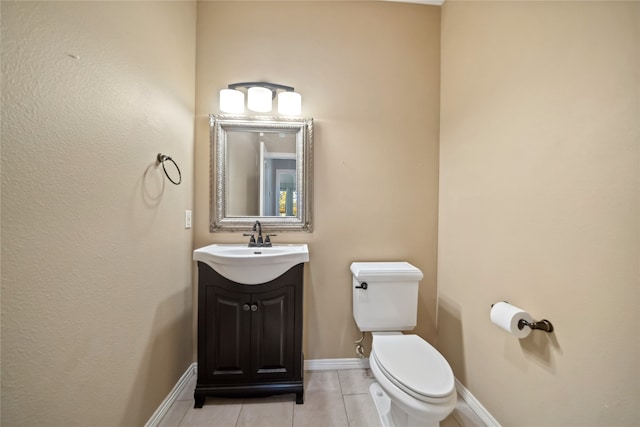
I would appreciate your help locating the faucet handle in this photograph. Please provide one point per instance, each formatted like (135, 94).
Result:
(252, 240)
(267, 241)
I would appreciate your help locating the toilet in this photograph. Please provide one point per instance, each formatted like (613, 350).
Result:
(414, 383)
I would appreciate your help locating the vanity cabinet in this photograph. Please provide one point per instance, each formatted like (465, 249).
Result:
(249, 336)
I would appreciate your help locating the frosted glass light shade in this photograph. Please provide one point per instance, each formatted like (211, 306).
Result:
(289, 103)
(232, 101)
(259, 99)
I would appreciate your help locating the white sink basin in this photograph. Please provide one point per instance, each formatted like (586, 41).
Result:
(251, 266)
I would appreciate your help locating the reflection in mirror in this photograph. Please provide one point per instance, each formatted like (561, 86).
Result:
(261, 169)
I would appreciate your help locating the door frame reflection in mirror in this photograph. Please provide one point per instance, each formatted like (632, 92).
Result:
(220, 126)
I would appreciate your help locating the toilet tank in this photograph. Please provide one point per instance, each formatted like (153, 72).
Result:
(390, 300)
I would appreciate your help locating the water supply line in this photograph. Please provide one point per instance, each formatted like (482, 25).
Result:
(360, 347)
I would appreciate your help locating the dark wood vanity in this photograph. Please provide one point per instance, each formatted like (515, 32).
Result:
(249, 336)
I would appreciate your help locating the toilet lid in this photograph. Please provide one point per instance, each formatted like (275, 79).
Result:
(385, 271)
(414, 365)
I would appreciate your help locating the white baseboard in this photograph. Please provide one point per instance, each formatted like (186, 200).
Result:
(475, 405)
(164, 407)
(335, 364)
(317, 365)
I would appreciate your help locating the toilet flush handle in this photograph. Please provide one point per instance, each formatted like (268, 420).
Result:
(363, 285)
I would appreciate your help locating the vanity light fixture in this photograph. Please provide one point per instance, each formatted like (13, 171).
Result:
(259, 98)
(232, 101)
(289, 103)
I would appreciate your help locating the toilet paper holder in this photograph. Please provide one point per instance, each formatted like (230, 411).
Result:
(542, 325)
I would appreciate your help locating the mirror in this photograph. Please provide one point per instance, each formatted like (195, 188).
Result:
(261, 169)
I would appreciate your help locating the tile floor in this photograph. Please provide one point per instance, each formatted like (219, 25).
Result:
(332, 399)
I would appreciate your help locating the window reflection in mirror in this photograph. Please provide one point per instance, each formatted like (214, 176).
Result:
(263, 170)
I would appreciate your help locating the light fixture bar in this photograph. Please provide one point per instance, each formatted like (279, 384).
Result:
(273, 87)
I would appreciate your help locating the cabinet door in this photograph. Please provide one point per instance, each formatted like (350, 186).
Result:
(227, 331)
(272, 330)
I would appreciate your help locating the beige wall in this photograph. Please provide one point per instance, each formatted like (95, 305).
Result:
(539, 206)
(96, 263)
(539, 200)
(368, 73)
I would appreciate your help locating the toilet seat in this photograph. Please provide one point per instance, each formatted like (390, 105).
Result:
(414, 366)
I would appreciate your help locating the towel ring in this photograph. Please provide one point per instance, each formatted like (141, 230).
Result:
(161, 159)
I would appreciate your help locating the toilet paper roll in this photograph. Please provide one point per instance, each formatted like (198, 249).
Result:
(507, 317)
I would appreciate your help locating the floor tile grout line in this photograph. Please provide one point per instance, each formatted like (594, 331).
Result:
(293, 411)
(183, 415)
(344, 404)
(344, 408)
(339, 382)
(239, 412)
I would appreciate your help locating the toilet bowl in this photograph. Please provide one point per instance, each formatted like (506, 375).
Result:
(415, 385)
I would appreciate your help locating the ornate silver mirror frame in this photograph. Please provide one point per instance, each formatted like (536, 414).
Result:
(222, 128)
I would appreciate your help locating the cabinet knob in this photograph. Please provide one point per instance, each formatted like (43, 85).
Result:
(254, 307)
(246, 307)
